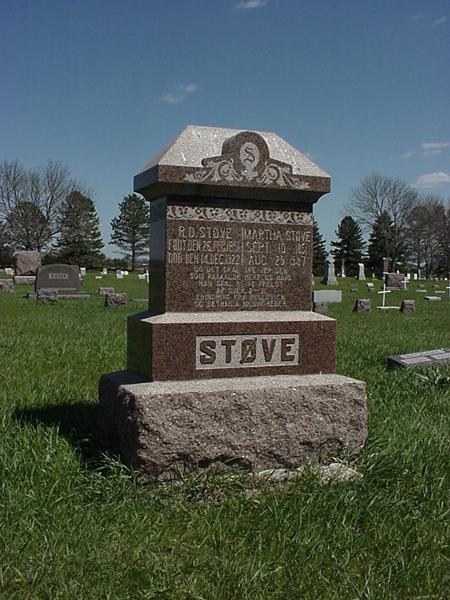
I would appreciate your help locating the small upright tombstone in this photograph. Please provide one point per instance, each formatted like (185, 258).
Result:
(362, 305)
(6, 285)
(27, 262)
(394, 281)
(330, 275)
(361, 274)
(230, 364)
(408, 306)
(386, 265)
(64, 279)
(114, 300)
(342, 267)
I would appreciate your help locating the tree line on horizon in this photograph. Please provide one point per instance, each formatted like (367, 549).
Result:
(413, 231)
(47, 210)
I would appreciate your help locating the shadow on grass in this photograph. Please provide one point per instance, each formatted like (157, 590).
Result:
(77, 423)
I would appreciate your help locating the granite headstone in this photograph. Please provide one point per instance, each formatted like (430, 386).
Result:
(230, 338)
(64, 279)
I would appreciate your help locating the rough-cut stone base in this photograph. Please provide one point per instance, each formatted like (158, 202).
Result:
(166, 428)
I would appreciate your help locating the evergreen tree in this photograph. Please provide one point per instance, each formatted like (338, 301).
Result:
(385, 241)
(349, 245)
(319, 251)
(80, 241)
(130, 230)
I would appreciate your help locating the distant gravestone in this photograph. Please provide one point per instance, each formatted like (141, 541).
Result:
(361, 274)
(327, 296)
(342, 267)
(9, 271)
(6, 285)
(371, 288)
(433, 298)
(106, 290)
(428, 358)
(394, 281)
(27, 263)
(64, 279)
(330, 275)
(362, 305)
(83, 271)
(116, 300)
(408, 306)
(386, 264)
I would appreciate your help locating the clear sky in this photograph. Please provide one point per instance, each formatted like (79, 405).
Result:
(361, 86)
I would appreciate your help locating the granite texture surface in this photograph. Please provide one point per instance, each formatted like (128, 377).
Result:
(220, 256)
(164, 429)
(173, 346)
(214, 159)
(27, 262)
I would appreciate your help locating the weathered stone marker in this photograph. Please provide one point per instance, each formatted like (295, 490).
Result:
(230, 364)
(427, 358)
(63, 279)
(26, 262)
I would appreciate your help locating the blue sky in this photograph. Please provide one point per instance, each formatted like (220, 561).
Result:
(361, 86)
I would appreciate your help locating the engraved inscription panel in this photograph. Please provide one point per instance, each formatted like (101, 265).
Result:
(243, 351)
(234, 259)
(58, 276)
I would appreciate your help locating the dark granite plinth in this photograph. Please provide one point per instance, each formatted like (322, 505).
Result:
(173, 346)
(219, 255)
(164, 429)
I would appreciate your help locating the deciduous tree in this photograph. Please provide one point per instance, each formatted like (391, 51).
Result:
(30, 201)
(377, 196)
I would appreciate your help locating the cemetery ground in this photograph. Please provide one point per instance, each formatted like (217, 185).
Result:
(75, 523)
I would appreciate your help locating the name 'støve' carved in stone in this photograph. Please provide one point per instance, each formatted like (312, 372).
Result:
(243, 351)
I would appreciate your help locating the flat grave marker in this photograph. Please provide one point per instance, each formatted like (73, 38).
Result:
(426, 358)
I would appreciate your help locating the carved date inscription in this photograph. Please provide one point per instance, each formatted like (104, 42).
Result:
(217, 265)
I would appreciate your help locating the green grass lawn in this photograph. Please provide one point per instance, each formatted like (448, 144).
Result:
(74, 523)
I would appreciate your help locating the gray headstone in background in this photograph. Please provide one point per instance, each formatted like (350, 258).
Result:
(330, 275)
(394, 281)
(342, 267)
(371, 288)
(427, 358)
(6, 285)
(27, 262)
(327, 296)
(63, 278)
(386, 264)
(361, 274)
(362, 305)
(116, 300)
(9, 271)
(106, 290)
(408, 306)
